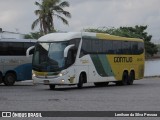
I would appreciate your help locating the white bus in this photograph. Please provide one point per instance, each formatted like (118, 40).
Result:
(76, 58)
(14, 64)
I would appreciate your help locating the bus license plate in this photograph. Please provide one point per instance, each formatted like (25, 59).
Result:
(46, 81)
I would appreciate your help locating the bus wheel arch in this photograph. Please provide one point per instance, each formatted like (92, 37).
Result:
(10, 78)
(82, 79)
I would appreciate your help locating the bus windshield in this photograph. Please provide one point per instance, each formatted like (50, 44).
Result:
(49, 57)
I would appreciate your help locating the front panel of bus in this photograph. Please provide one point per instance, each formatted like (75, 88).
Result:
(49, 62)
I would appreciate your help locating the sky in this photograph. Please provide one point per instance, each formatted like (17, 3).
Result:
(18, 15)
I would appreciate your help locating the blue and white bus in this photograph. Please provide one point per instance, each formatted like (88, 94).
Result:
(15, 65)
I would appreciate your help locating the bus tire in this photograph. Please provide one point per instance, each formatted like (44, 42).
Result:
(9, 79)
(81, 81)
(131, 78)
(52, 87)
(124, 80)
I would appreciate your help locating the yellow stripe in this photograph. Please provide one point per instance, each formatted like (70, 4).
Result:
(40, 73)
(112, 37)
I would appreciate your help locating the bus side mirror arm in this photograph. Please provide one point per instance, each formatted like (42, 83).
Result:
(28, 50)
(67, 49)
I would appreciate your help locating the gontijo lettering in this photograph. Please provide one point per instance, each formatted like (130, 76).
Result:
(123, 59)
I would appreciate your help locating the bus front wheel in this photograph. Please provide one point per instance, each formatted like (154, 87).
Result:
(81, 81)
(52, 87)
(9, 79)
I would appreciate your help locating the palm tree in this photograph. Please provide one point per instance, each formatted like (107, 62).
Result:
(41, 13)
(49, 9)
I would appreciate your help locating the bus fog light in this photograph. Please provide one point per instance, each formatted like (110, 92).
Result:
(62, 81)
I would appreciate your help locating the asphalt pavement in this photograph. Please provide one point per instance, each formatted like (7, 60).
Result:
(143, 95)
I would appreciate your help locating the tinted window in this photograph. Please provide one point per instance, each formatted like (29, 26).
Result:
(126, 47)
(117, 47)
(140, 48)
(107, 46)
(95, 46)
(86, 47)
(14, 48)
(134, 47)
(3, 48)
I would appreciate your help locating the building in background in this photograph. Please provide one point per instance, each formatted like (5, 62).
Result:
(7, 34)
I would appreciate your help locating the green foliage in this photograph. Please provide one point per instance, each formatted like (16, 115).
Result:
(33, 35)
(133, 32)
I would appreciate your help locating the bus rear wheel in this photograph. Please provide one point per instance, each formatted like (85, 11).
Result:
(124, 80)
(131, 78)
(9, 79)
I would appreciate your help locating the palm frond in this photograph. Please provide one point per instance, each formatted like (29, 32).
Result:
(59, 10)
(64, 4)
(66, 14)
(37, 12)
(35, 23)
(37, 3)
(63, 19)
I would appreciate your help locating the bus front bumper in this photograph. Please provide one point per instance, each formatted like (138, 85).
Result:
(48, 81)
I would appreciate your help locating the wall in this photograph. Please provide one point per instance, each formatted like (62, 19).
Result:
(152, 68)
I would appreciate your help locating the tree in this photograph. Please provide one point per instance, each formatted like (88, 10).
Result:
(133, 32)
(49, 9)
(33, 35)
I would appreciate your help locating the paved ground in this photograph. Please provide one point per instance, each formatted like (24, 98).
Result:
(142, 96)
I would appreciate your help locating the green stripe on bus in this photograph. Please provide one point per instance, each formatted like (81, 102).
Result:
(98, 65)
(105, 64)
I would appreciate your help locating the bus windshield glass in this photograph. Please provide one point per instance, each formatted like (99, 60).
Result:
(49, 57)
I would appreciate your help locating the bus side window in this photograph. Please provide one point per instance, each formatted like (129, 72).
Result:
(117, 47)
(107, 47)
(71, 56)
(4, 48)
(140, 47)
(134, 48)
(86, 47)
(15, 48)
(126, 48)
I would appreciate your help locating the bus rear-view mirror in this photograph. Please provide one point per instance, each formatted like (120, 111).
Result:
(67, 49)
(28, 51)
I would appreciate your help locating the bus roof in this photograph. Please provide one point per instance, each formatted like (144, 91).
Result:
(71, 35)
(17, 40)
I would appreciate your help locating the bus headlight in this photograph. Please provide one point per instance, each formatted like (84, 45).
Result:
(34, 75)
(63, 72)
